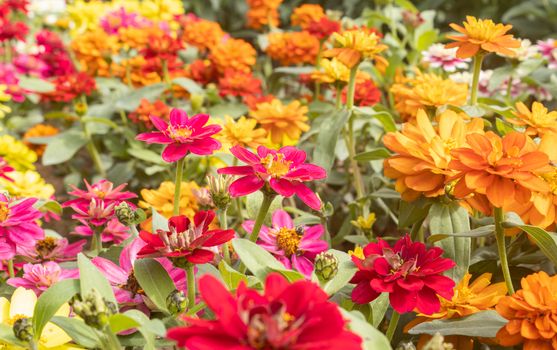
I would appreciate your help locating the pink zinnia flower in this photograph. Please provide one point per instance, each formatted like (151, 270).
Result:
(113, 231)
(103, 190)
(183, 135)
(409, 272)
(297, 316)
(124, 284)
(39, 277)
(120, 18)
(295, 247)
(51, 249)
(188, 240)
(548, 50)
(283, 171)
(437, 56)
(18, 225)
(4, 169)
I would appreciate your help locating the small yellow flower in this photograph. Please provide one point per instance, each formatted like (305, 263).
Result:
(284, 123)
(365, 223)
(353, 46)
(16, 153)
(27, 184)
(4, 97)
(358, 252)
(242, 132)
(22, 304)
(162, 199)
(331, 71)
(538, 121)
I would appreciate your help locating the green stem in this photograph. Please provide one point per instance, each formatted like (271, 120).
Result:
(178, 185)
(110, 339)
(11, 270)
(224, 225)
(196, 309)
(477, 68)
(93, 152)
(191, 285)
(134, 231)
(96, 242)
(393, 323)
(338, 101)
(317, 66)
(123, 117)
(32, 345)
(499, 217)
(351, 87)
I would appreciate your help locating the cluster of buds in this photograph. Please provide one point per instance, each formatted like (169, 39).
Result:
(93, 309)
(127, 215)
(218, 189)
(176, 302)
(326, 266)
(23, 329)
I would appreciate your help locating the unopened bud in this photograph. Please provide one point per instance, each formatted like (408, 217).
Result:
(176, 302)
(127, 215)
(326, 266)
(23, 329)
(218, 188)
(197, 101)
(80, 108)
(93, 309)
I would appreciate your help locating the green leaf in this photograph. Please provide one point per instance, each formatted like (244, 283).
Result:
(253, 203)
(49, 205)
(547, 242)
(502, 127)
(77, 330)
(159, 222)
(327, 138)
(100, 120)
(231, 277)
(378, 153)
(409, 213)
(120, 322)
(290, 275)
(372, 338)
(425, 39)
(7, 336)
(191, 86)
(146, 155)
(379, 308)
(232, 109)
(63, 147)
(482, 231)
(50, 301)
(385, 118)
(294, 70)
(131, 101)
(346, 270)
(149, 329)
(35, 84)
(483, 324)
(259, 261)
(91, 278)
(452, 218)
(154, 280)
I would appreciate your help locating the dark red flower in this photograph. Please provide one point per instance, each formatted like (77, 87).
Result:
(185, 239)
(409, 272)
(365, 94)
(202, 71)
(237, 83)
(164, 47)
(53, 53)
(70, 86)
(253, 101)
(323, 28)
(12, 30)
(8, 6)
(297, 316)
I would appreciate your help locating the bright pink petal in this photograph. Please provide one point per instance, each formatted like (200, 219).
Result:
(282, 219)
(308, 196)
(245, 185)
(174, 152)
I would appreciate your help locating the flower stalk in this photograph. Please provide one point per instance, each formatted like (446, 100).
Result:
(224, 225)
(178, 185)
(476, 70)
(499, 217)
(190, 273)
(11, 268)
(393, 323)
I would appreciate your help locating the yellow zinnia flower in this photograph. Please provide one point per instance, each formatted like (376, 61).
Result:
(538, 121)
(4, 97)
(85, 15)
(16, 153)
(285, 123)
(364, 223)
(331, 71)
(161, 10)
(22, 304)
(27, 184)
(353, 46)
(358, 252)
(162, 199)
(243, 132)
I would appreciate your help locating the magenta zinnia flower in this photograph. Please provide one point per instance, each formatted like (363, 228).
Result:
(283, 171)
(103, 190)
(409, 272)
(294, 247)
(51, 249)
(113, 231)
(5, 168)
(293, 316)
(39, 277)
(183, 135)
(18, 225)
(191, 241)
(124, 284)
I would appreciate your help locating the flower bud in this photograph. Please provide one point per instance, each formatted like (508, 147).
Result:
(93, 309)
(23, 329)
(218, 188)
(326, 266)
(197, 101)
(80, 108)
(176, 302)
(126, 214)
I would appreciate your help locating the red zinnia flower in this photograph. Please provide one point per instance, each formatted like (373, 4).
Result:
(323, 28)
(12, 30)
(297, 316)
(202, 71)
(164, 47)
(409, 272)
(366, 94)
(185, 239)
(284, 171)
(237, 83)
(183, 135)
(70, 86)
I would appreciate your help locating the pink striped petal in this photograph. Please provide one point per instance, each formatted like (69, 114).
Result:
(154, 137)
(236, 170)
(282, 187)
(244, 155)
(178, 117)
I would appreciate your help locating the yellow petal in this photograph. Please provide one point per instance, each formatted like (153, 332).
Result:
(53, 336)
(4, 309)
(23, 302)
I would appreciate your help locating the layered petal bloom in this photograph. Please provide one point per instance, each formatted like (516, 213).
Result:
(482, 35)
(284, 122)
(503, 169)
(242, 132)
(183, 135)
(305, 14)
(113, 230)
(293, 316)
(18, 225)
(423, 152)
(353, 46)
(437, 56)
(126, 289)
(537, 121)
(263, 13)
(295, 247)
(103, 190)
(291, 48)
(409, 272)
(51, 249)
(39, 277)
(532, 314)
(283, 171)
(186, 240)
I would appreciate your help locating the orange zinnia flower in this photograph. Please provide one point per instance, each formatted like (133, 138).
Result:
(262, 13)
(305, 14)
(293, 47)
(39, 130)
(426, 90)
(284, 123)
(202, 33)
(482, 36)
(234, 54)
(538, 121)
(353, 46)
(532, 314)
(504, 169)
(94, 50)
(421, 165)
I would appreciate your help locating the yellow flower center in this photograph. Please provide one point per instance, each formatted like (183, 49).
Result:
(100, 194)
(288, 240)
(4, 211)
(276, 165)
(180, 132)
(483, 30)
(45, 246)
(16, 317)
(551, 179)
